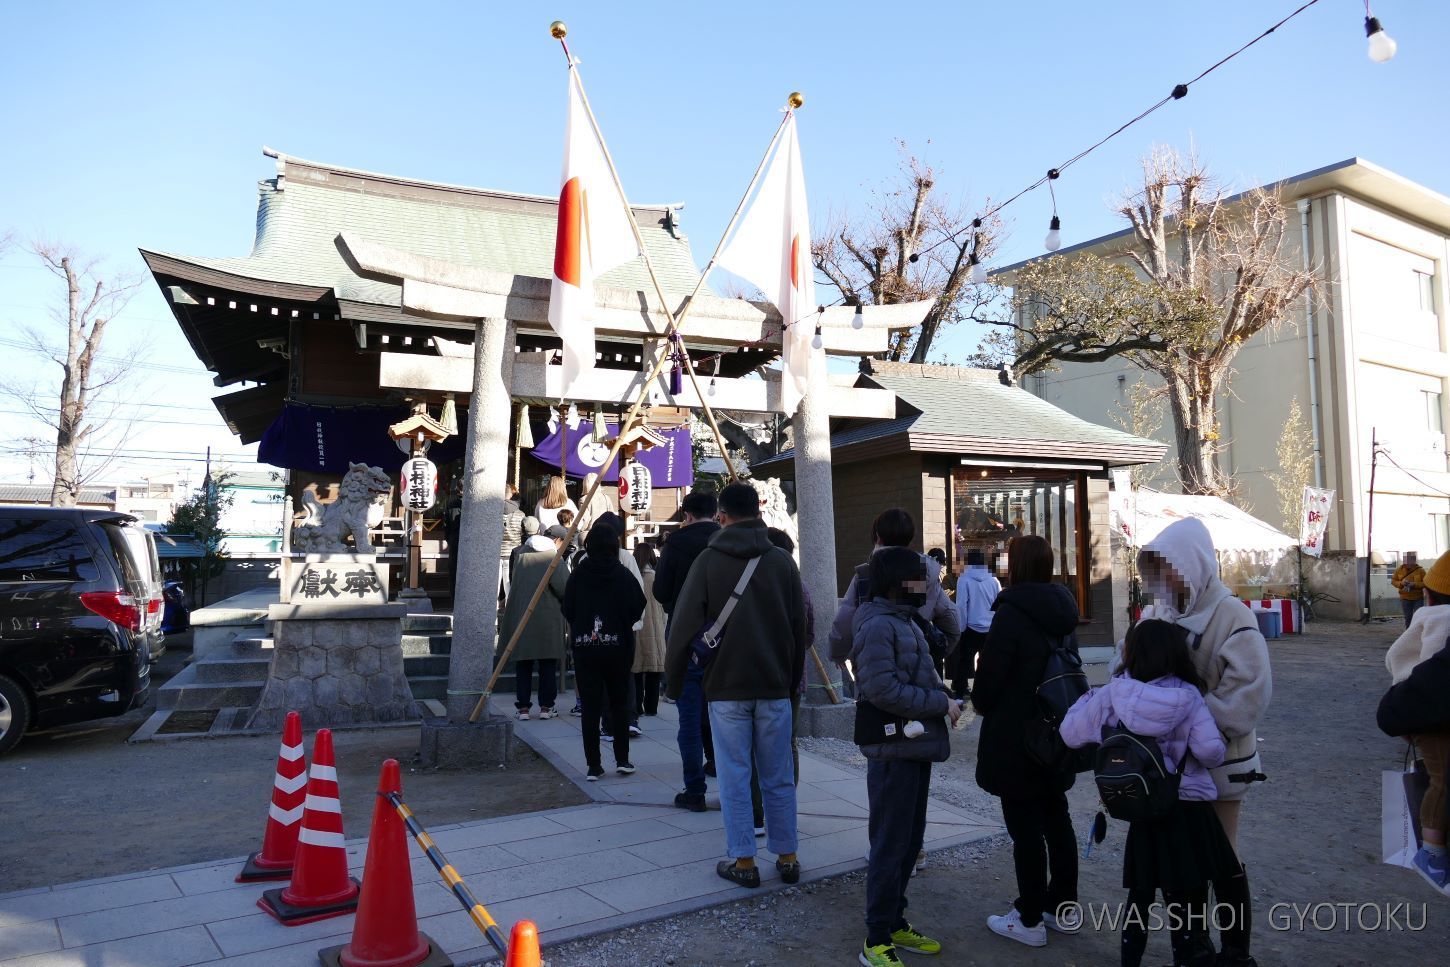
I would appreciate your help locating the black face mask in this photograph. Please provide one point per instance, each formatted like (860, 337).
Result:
(916, 599)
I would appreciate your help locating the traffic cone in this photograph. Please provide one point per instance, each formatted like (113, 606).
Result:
(320, 886)
(385, 933)
(523, 945)
(284, 816)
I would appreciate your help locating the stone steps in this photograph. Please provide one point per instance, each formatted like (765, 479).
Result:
(217, 671)
(420, 666)
(420, 645)
(427, 624)
(187, 692)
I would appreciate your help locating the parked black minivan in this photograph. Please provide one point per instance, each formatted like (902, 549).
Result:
(80, 616)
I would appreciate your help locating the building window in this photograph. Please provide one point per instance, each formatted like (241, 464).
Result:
(1425, 291)
(1434, 417)
(994, 504)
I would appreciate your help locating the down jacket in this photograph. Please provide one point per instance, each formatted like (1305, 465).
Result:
(1167, 709)
(894, 672)
(1427, 634)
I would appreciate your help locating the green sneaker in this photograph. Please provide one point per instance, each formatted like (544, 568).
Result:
(882, 956)
(908, 939)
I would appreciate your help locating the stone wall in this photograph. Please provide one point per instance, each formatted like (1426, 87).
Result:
(336, 664)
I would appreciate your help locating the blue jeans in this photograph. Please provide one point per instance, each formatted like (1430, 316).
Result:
(690, 706)
(758, 729)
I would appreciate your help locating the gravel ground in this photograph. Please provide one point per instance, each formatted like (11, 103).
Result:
(1311, 836)
(101, 807)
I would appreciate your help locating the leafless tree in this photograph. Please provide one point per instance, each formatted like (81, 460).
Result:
(910, 244)
(82, 409)
(1201, 277)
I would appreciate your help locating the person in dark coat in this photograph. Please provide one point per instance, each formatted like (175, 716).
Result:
(542, 642)
(895, 674)
(1031, 617)
(1418, 703)
(602, 602)
(697, 751)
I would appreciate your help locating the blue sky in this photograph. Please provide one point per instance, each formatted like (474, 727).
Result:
(141, 124)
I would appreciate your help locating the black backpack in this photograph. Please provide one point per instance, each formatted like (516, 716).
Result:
(1063, 683)
(1133, 779)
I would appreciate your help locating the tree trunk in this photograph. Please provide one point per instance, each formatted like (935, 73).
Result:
(1193, 405)
(64, 491)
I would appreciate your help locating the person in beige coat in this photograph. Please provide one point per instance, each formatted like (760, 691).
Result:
(649, 641)
(1180, 575)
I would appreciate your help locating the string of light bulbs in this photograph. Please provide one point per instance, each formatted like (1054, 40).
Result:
(1381, 49)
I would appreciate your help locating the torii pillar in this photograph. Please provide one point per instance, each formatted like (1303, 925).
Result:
(456, 742)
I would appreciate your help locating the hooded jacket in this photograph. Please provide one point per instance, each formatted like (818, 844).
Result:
(1029, 621)
(1228, 651)
(938, 609)
(602, 603)
(1428, 631)
(894, 672)
(1418, 704)
(762, 649)
(977, 590)
(680, 550)
(1167, 709)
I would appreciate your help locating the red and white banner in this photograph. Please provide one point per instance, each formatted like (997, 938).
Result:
(1315, 520)
(593, 235)
(772, 249)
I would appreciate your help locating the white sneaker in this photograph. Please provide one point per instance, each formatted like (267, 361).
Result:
(1012, 927)
(523, 715)
(920, 863)
(1068, 919)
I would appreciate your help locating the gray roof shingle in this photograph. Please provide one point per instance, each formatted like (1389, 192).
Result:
(36, 494)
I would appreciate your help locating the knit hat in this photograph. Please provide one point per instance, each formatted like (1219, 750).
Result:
(531, 526)
(1437, 579)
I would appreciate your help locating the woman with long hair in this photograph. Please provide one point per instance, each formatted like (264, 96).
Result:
(1032, 616)
(555, 499)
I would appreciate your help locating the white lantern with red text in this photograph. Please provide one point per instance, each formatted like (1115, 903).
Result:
(635, 491)
(418, 484)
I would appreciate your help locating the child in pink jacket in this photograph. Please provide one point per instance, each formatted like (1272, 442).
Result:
(1158, 695)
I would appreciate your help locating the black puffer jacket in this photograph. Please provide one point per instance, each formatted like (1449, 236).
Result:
(680, 550)
(1030, 620)
(1418, 704)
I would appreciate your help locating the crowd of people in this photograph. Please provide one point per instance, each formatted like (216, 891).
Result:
(718, 618)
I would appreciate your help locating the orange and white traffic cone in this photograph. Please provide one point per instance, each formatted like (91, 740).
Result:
(284, 816)
(320, 886)
(524, 945)
(385, 933)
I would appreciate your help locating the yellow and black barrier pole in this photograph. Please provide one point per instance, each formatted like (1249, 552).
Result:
(464, 895)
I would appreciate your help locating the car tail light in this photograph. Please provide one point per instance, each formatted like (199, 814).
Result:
(153, 605)
(116, 606)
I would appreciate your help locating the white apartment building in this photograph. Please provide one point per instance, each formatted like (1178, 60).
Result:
(1366, 356)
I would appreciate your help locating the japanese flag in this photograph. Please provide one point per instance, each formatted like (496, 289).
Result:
(772, 249)
(593, 235)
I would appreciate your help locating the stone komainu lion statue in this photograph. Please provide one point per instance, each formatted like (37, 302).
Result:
(775, 508)
(327, 526)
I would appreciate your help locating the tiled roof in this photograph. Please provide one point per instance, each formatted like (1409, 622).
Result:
(970, 411)
(301, 213)
(33, 494)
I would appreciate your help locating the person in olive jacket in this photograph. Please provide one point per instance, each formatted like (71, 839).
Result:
(1032, 615)
(544, 638)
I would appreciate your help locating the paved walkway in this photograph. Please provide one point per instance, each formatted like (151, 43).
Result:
(627, 858)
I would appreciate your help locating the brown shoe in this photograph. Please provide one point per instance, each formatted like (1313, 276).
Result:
(729, 871)
(790, 873)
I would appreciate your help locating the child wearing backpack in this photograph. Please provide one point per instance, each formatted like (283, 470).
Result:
(1159, 739)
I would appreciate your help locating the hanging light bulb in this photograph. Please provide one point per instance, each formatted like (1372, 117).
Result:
(858, 321)
(817, 342)
(1053, 241)
(979, 271)
(710, 391)
(1381, 46)
(572, 419)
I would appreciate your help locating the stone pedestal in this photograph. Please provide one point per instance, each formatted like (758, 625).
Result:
(336, 664)
(828, 721)
(416, 600)
(334, 579)
(465, 745)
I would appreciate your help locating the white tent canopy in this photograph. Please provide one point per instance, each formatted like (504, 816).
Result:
(1234, 531)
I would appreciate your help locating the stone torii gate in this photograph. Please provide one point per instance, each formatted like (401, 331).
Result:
(500, 305)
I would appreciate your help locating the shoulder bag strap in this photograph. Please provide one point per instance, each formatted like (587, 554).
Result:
(712, 633)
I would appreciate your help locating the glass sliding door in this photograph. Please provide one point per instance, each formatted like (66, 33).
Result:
(992, 505)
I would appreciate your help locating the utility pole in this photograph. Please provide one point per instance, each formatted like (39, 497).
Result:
(1374, 454)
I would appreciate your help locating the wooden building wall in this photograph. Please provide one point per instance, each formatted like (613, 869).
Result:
(865, 489)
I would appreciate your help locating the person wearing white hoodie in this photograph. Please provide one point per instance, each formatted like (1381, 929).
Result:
(1181, 581)
(1426, 636)
(977, 591)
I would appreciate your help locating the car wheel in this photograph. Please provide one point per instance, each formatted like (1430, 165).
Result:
(14, 713)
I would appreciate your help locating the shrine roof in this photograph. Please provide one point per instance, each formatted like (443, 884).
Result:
(301, 212)
(965, 411)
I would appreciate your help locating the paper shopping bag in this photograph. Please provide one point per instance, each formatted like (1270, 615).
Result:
(1403, 791)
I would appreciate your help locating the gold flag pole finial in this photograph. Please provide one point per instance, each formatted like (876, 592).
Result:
(558, 29)
(795, 100)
